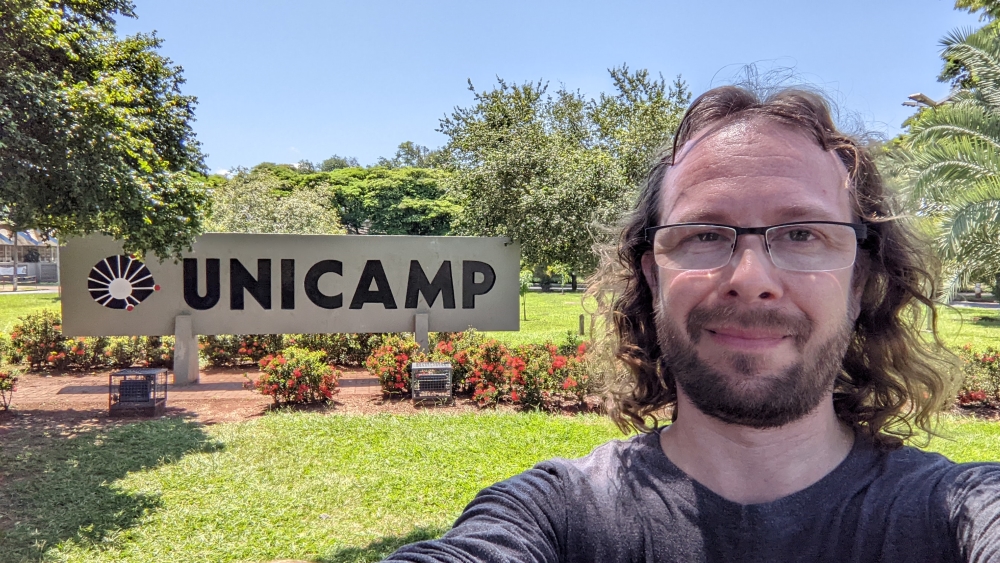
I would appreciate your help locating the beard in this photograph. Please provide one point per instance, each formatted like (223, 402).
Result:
(749, 397)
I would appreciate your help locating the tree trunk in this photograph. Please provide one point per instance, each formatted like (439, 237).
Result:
(572, 278)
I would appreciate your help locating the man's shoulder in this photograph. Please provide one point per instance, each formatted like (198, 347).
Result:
(614, 455)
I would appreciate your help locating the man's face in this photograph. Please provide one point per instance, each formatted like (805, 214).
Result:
(749, 343)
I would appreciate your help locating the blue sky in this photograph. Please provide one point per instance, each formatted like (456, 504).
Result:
(305, 79)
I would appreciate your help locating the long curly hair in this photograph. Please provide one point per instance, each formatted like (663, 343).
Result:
(893, 380)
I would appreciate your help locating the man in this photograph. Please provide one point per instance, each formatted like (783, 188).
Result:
(767, 296)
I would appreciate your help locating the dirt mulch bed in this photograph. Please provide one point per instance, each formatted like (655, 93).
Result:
(55, 401)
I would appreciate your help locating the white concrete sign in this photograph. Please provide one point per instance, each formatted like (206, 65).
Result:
(261, 284)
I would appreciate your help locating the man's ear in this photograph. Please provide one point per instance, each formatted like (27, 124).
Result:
(650, 271)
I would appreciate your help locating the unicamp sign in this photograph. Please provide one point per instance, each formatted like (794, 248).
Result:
(259, 284)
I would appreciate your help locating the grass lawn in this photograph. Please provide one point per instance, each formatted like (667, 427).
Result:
(288, 485)
(550, 316)
(14, 305)
(968, 325)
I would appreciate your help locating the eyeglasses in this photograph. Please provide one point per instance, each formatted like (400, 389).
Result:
(810, 246)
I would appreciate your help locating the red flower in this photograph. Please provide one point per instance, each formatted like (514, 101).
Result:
(569, 383)
(514, 397)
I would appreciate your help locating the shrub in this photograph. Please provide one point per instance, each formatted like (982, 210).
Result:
(454, 347)
(8, 384)
(35, 338)
(486, 373)
(341, 348)
(5, 348)
(124, 351)
(296, 375)
(158, 351)
(87, 352)
(239, 349)
(981, 383)
(391, 361)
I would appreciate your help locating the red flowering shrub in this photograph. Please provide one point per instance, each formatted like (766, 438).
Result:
(390, 363)
(86, 352)
(540, 376)
(296, 376)
(486, 373)
(8, 384)
(455, 347)
(36, 338)
(981, 383)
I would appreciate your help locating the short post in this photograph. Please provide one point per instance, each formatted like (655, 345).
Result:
(420, 331)
(185, 351)
(581, 325)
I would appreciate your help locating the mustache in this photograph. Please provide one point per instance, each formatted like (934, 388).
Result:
(798, 325)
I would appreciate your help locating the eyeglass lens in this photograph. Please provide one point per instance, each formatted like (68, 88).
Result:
(807, 247)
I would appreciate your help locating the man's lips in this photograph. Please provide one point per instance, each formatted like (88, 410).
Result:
(747, 338)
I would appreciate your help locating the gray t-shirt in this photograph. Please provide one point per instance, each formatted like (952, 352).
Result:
(627, 502)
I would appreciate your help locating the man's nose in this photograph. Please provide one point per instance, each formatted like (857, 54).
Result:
(751, 275)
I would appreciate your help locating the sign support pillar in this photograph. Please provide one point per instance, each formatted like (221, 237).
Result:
(420, 331)
(185, 351)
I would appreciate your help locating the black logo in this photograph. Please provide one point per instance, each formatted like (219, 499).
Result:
(120, 282)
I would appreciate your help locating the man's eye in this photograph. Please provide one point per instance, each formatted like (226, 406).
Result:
(800, 235)
(707, 237)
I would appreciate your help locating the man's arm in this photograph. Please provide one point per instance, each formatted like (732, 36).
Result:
(974, 501)
(521, 519)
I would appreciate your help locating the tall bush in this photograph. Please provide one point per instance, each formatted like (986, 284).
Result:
(391, 361)
(36, 337)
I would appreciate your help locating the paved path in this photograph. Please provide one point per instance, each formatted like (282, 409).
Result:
(976, 304)
(214, 385)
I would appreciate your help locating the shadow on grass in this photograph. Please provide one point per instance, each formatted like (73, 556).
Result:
(57, 479)
(381, 548)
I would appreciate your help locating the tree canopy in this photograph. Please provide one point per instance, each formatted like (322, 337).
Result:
(254, 202)
(547, 169)
(950, 156)
(95, 134)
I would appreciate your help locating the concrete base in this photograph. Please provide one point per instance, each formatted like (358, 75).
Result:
(420, 321)
(185, 351)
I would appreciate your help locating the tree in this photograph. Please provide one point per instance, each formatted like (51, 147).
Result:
(412, 155)
(256, 202)
(950, 159)
(406, 201)
(94, 132)
(336, 162)
(546, 169)
(639, 118)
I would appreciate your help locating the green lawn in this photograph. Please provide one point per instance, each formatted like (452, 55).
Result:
(959, 326)
(550, 316)
(14, 305)
(288, 485)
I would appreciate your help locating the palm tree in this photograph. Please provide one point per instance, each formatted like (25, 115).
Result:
(950, 159)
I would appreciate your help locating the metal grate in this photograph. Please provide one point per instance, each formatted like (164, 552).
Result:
(134, 391)
(140, 391)
(430, 380)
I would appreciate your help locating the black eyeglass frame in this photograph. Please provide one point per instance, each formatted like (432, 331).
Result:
(860, 229)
